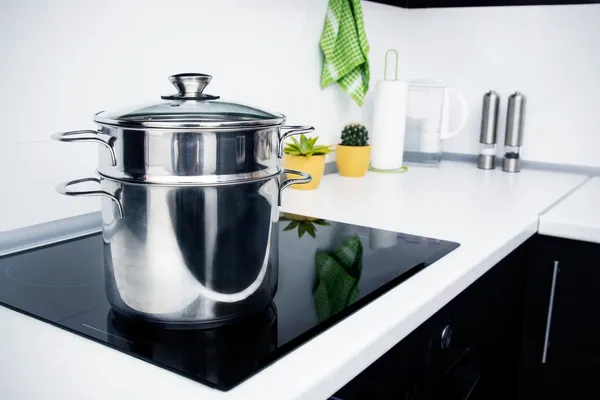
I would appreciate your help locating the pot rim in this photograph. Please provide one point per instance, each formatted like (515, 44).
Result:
(187, 124)
(195, 180)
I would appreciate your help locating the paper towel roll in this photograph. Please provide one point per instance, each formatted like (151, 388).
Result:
(389, 124)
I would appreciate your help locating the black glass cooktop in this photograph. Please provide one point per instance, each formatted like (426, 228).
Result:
(63, 284)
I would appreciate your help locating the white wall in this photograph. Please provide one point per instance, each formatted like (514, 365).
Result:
(62, 61)
(550, 53)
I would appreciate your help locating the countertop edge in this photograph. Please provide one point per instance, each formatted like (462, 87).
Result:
(569, 231)
(576, 216)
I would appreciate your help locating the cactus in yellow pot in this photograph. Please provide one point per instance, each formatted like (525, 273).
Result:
(304, 155)
(354, 153)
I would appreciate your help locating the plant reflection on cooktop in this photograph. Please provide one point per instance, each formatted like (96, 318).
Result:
(327, 271)
(302, 224)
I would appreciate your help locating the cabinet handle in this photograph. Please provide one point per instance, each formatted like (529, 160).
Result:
(549, 316)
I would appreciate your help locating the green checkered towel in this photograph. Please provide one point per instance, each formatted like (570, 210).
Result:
(344, 43)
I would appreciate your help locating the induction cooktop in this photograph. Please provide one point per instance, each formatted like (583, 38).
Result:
(63, 284)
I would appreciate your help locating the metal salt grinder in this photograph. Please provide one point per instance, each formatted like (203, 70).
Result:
(513, 140)
(487, 137)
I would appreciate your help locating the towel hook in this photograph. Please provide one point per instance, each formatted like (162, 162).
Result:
(387, 53)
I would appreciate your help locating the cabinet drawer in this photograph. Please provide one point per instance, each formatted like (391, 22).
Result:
(420, 361)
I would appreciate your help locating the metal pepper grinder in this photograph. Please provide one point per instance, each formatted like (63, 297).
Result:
(513, 140)
(487, 136)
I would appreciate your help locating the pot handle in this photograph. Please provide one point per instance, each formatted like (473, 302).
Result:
(63, 188)
(306, 178)
(88, 136)
(291, 131)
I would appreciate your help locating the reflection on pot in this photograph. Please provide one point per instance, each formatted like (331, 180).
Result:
(303, 224)
(263, 148)
(336, 277)
(223, 356)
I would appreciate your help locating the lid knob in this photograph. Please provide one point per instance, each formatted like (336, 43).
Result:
(190, 84)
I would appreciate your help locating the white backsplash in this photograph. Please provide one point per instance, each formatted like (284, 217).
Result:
(63, 61)
(549, 53)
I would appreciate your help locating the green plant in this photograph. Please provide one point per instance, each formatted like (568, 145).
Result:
(355, 135)
(305, 226)
(305, 147)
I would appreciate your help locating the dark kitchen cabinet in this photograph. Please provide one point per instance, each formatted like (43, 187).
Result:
(561, 325)
(431, 363)
(477, 3)
(467, 350)
(498, 320)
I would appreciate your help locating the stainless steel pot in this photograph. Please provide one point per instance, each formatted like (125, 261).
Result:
(189, 138)
(189, 254)
(191, 190)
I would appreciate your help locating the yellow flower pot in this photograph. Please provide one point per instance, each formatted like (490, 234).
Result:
(315, 166)
(296, 217)
(352, 161)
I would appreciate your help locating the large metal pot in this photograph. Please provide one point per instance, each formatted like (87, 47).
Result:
(185, 254)
(189, 138)
(191, 189)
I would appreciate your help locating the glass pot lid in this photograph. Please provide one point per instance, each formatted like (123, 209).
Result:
(191, 108)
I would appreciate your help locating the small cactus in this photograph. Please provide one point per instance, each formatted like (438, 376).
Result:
(355, 135)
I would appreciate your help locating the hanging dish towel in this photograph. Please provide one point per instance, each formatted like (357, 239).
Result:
(344, 43)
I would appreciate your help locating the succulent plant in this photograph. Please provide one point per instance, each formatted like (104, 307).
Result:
(305, 147)
(355, 135)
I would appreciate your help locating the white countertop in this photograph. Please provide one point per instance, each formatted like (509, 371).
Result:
(577, 216)
(489, 213)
